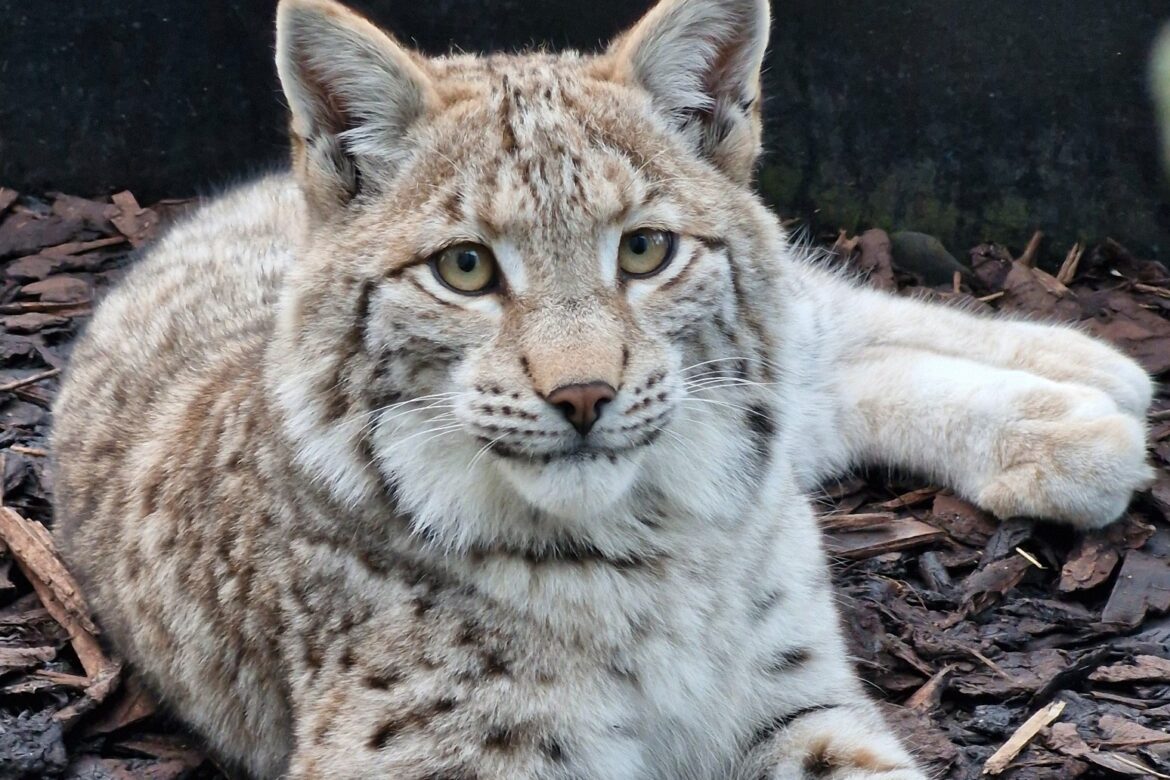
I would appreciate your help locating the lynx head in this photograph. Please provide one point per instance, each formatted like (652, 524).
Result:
(532, 288)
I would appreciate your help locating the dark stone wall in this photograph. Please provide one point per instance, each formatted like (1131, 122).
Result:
(968, 120)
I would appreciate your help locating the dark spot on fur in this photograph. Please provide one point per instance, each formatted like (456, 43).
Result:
(423, 604)
(384, 733)
(819, 762)
(759, 419)
(789, 659)
(384, 680)
(313, 657)
(500, 738)
(494, 665)
(470, 633)
(763, 604)
(553, 750)
(346, 660)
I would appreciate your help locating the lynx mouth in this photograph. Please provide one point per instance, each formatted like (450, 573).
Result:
(582, 451)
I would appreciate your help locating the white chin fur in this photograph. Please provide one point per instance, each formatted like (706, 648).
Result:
(576, 489)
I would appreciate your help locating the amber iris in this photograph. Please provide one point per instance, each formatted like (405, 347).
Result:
(645, 252)
(466, 268)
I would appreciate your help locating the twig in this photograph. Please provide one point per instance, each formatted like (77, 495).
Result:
(35, 452)
(29, 380)
(64, 308)
(1072, 261)
(1028, 259)
(1030, 558)
(1001, 758)
(992, 665)
(1161, 292)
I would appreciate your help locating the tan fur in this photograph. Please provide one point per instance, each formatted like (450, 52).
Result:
(319, 499)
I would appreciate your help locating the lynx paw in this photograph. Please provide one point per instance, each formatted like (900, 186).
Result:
(1072, 455)
(1067, 355)
(846, 743)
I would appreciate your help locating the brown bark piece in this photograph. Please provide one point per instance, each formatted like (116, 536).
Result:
(33, 322)
(909, 499)
(133, 704)
(962, 520)
(876, 260)
(24, 232)
(1063, 738)
(1143, 585)
(33, 549)
(1089, 565)
(899, 534)
(7, 198)
(1145, 668)
(989, 584)
(136, 223)
(95, 215)
(930, 694)
(17, 658)
(59, 289)
(1122, 733)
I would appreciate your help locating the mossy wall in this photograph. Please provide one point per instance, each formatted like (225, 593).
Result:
(968, 120)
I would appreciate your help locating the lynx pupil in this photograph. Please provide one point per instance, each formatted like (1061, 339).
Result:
(467, 260)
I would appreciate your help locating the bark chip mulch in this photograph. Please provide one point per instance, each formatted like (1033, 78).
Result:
(1017, 649)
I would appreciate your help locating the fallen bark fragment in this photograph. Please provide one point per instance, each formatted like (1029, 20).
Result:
(1142, 586)
(1145, 668)
(1003, 757)
(33, 549)
(1065, 739)
(899, 534)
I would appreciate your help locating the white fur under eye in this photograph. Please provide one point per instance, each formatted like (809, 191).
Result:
(639, 288)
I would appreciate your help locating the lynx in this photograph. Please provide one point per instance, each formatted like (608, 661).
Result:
(478, 446)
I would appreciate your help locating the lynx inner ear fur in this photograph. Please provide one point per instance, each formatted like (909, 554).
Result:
(354, 94)
(700, 60)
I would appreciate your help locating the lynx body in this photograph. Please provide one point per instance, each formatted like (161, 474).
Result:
(352, 515)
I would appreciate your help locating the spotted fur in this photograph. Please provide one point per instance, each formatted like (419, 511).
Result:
(320, 502)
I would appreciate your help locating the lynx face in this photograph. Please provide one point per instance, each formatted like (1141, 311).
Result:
(514, 268)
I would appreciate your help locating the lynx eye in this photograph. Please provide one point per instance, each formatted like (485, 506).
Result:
(466, 268)
(645, 252)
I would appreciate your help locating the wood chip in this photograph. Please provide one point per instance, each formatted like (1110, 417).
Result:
(33, 549)
(1064, 738)
(1028, 258)
(902, 533)
(1002, 758)
(913, 498)
(1143, 585)
(1145, 668)
(134, 222)
(863, 521)
(7, 198)
(930, 694)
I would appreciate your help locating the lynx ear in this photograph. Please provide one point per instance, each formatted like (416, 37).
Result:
(354, 94)
(700, 61)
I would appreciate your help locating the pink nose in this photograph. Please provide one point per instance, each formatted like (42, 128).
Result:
(582, 403)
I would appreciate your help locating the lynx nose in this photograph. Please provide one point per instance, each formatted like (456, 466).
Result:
(581, 404)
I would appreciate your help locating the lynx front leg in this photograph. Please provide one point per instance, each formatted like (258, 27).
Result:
(1016, 443)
